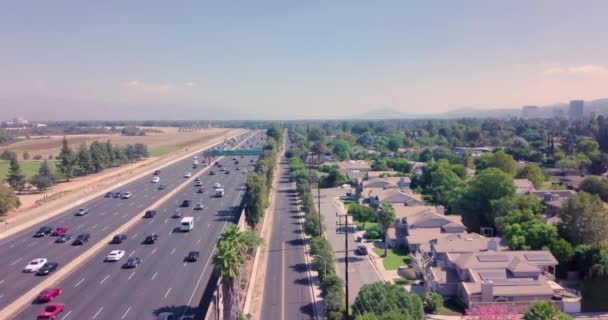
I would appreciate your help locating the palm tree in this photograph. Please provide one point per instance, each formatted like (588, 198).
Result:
(386, 218)
(228, 260)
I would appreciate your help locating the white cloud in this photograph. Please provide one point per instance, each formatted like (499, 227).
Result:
(553, 71)
(148, 87)
(588, 69)
(190, 84)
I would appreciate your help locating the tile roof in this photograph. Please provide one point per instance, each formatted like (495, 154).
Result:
(523, 186)
(464, 242)
(500, 259)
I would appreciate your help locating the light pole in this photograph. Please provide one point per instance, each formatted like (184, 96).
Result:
(324, 264)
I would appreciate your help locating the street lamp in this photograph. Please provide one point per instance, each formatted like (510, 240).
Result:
(324, 264)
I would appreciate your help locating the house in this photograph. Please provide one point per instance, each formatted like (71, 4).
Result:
(553, 200)
(572, 182)
(378, 174)
(395, 196)
(523, 186)
(360, 165)
(474, 152)
(325, 159)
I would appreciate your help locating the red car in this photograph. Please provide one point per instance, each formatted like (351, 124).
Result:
(51, 311)
(48, 294)
(59, 231)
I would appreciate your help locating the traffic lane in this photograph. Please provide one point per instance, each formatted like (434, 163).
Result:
(96, 271)
(17, 282)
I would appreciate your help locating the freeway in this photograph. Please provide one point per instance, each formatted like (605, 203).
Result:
(105, 215)
(287, 292)
(163, 281)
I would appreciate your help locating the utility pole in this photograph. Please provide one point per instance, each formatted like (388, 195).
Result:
(319, 193)
(345, 231)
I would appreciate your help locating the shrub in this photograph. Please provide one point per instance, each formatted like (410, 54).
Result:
(372, 234)
(37, 157)
(409, 274)
(401, 281)
(432, 302)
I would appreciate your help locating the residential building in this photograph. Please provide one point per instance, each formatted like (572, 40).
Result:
(474, 152)
(553, 200)
(397, 197)
(523, 186)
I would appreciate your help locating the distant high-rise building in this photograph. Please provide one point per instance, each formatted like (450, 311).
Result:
(576, 109)
(530, 112)
(558, 113)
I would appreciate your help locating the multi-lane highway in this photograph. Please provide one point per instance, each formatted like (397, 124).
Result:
(106, 214)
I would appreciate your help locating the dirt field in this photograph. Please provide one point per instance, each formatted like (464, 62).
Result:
(158, 143)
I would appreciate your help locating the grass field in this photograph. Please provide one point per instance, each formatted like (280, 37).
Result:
(451, 307)
(396, 258)
(161, 151)
(29, 168)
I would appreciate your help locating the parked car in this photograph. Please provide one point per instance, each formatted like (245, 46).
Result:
(362, 250)
(48, 294)
(115, 255)
(132, 262)
(59, 231)
(82, 211)
(151, 239)
(192, 256)
(186, 203)
(51, 311)
(81, 239)
(63, 238)
(35, 265)
(119, 238)
(127, 195)
(47, 268)
(43, 231)
(150, 214)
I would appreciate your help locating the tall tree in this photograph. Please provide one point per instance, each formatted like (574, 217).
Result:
(503, 161)
(378, 298)
(341, 149)
(386, 218)
(15, 178)
(45, 178)
(8, 199)
(83, 161)
(584, 219)
(257, 199)
(67, 160)
(533, 173)
(99, 156)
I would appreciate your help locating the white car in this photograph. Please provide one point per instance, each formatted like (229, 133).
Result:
(115, 255)
(127, 195)
(217, 185)
(188, 175)
(155, 180)
(35, 264)
(244, 171)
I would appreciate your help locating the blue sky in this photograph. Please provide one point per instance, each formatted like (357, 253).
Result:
(303, 59)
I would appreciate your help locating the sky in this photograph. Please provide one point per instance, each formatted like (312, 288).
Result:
(295, 59)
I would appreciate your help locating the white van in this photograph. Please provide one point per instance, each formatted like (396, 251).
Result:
(219, 192)
(187, 224)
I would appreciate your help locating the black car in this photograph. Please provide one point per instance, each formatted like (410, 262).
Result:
(362, 250)
(236, 162)
(119, 238)
(162, 186)
(150, 214)
(211, 173)
(117, 194)
(227, 171)
(192, 256)
(186, 203)
(132, 262)
(81, 239)
(151, 239)
(47, 268)
(63, 238)
(43, 231)
(109, 195)
(157, 172)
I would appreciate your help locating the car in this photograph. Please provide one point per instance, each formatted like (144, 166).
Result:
(115, 255)
(186, 203)
(48, 294)
(155, 180)
(132, 262)
(194, 166)
(59, 231)
(35, 265)
(217, 185)
(82, 211)
(201, 190)
(236, 162)
(244, 172)
(251, 160)
(222, 169)
(109, 194)
(166, 316)
(117, 194)
(199, 206)
(51, 311)
(127, 195)
(43, 231)
(216, 163)
(150, 214)
(219, 165)
(157, 172)
(211, 173)
(47, 268)
(178, 213)
(119, 238)
(362, 250)
(81, 239)
(63, 238)
(192, 256)
(197, 179)
(237, 168)
(227, 172)
(188, 175)
(162, 186)
(198, 184)
(151, 239)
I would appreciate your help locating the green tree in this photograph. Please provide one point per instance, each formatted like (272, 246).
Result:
(433, 301)
(595, 185)
(587, 147)
(45, 178)
(275, 132)
(584, 219)
(8, 199)
(361, 212)
(386, 218)
(84, 163)
(8, 155)
(533, 173)
(544, 310)
(99, 156)
(475, 202)
(257, 199)
(395, 143)
(503, 161)
(67, 160)
(15, 178)
(341, 149)
(442, 184)
(377, 298)
(26, 155)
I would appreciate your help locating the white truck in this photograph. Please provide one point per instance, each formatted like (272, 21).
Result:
(219, 192)
(187, 224)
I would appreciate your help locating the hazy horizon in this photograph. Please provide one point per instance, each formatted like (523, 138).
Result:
(296, 60)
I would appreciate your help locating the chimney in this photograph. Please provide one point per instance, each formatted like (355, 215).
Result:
(493, 244)
(487, 291)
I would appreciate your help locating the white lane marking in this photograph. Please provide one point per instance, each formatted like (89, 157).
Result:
(24, 240)
(52, 242)
(131, 204)
(135, 236)
(132, 274)
(172, 251)
(2, 281)
(170, 232)
(167, 293)
(95, 226)
(125, 216)
(104, 228)
(31, 244)
(153, 251)
(12, 245)
(154, 276)
(98, 312)
(140, 206)
(199, 241)
(125, 314)
(79, 282)
(132, 252)
(185, 264)
(166, 220)
(16, 261)
(150, 221)
(66, 315)
(104, 279)
(197, 218)
(80, 226)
